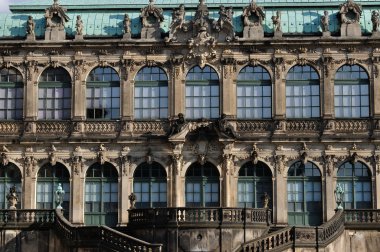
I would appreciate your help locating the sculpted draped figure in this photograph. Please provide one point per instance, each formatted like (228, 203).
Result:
(325, 22)
(79, 25)
(30, 26)
(178, 20)
(375, 21)
(277, 22)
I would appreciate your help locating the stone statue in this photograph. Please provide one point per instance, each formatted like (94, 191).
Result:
(79, 25)
(375, 21)
(30, 26)
(224, 23)
(132, 200)
(59, 193)
(127, 24)
(178, 20)
(277, 22)
(225, 127)
(178, 125)
(265, 198)
(325, 22)
(339, 192)
(12, 198)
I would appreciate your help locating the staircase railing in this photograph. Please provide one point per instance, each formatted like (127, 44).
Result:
(275, 241)
(100, 237)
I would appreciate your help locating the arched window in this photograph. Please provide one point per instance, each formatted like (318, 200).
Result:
(103, 94)
(11, 94)
(304, 194)
(49, 176)
(202, 93)
(151, 93)
(202, 185)
(302, 92)
(54, 94)
(254, 181)
(149, 185)
(101, 195)
(355, 179)
(10, 176)
(351, 92)
(254, 93)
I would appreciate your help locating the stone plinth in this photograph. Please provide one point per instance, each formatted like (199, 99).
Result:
(253, 32)
(30, 37)
(375, 34)
(79, 37)
(127, 36)
(350, 30)
(151, 33)
(55, 34)
(277, 34)
(326, 34)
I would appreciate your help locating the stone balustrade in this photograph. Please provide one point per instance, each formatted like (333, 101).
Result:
(184, 216)
(116, 128)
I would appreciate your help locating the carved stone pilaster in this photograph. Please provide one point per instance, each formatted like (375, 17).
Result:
(126, 162)
(280, 163)
(77, 163)
(30, 164)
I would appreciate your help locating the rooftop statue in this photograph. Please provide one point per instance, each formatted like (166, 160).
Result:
(277, 22)
(127, 24)
(325, 22)
(201, 18)
(178, 20)
(375, 21)
(79, 25)
(224, 23)
(30, 25)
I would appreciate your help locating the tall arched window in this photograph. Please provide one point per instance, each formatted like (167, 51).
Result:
(202, 93)
(11, 94)
(351, 92)
(151, 93)
(149, 185)
(103, 94)
(101, 195)
(49, 176)
(10, 175)
(254, 181)
(254, 93)
(54, 94)
(302, 92)
(304, 194)
(202, 185)
(355, 179)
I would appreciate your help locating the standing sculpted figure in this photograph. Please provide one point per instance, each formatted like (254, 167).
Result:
(277, 22)
(325, 22)
(127, 24)
(79, 25)
(375, 21)
(178, 19)
(30, 26)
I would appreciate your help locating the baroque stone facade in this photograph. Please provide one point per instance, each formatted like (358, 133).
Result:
(178, 141)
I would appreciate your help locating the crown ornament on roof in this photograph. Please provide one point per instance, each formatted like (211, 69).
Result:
(151, 16)
(56, 16)
(350, 12)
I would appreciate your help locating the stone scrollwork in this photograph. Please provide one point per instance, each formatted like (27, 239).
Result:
(202, 47)
(55, 17)
(350, 13)
(151, 18)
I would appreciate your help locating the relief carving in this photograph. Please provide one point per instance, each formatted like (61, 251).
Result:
(55, 17)
(151, 18)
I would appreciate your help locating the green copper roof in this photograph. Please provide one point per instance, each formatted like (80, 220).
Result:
(101, 18)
